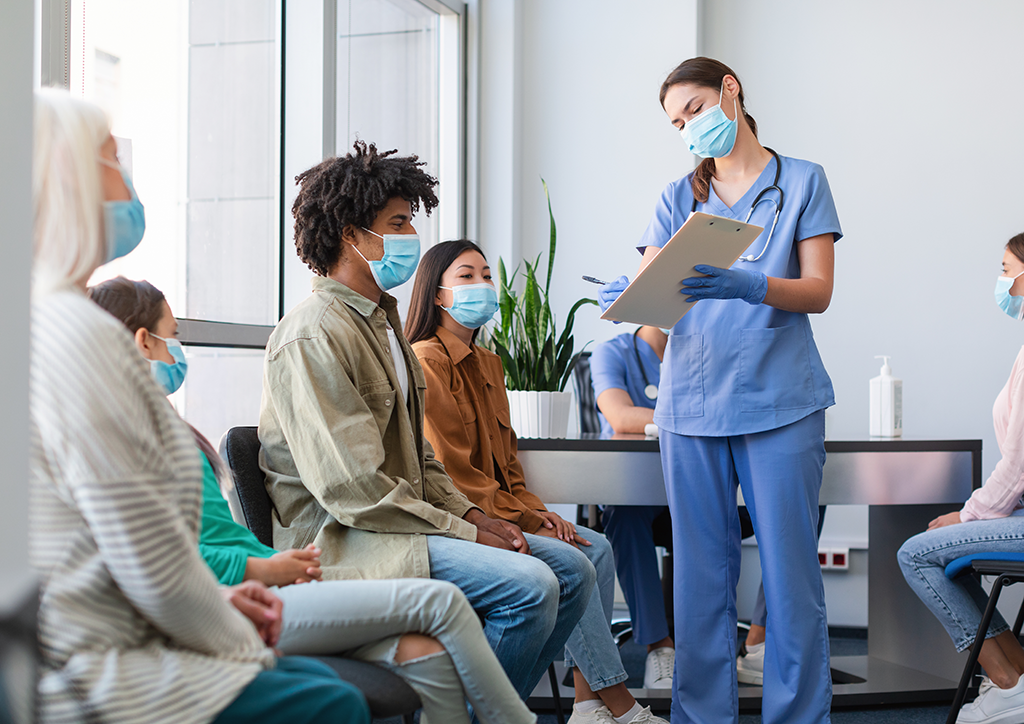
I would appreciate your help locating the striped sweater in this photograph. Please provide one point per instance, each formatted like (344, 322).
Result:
(133, 625)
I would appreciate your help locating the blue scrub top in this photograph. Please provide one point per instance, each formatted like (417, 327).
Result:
(614, 365)
(733, 368)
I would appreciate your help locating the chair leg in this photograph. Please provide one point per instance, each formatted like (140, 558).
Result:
(555, 695)
(979, 640)
(1020, 621)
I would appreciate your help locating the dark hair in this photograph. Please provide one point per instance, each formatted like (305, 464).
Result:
(138, 305)
(1016, 246)
(353, 189)
(424, 315)
(704, 73)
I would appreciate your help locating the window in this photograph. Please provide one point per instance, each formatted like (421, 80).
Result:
(390, 74)
(194, 90)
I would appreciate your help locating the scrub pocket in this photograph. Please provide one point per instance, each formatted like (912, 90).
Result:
(682, 378)
(775, 369)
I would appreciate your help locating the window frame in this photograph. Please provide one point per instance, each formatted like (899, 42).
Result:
(54, 43)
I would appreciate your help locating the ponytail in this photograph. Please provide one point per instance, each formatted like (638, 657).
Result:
(704, 73)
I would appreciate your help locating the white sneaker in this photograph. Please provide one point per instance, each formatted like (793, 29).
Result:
(750, 665)
(646, 717)
(658, 669)
(995, 705)
(603, 715)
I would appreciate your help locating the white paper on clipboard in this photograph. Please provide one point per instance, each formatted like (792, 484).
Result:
(653, 298)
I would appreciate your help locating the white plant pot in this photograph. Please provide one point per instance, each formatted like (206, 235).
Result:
(540, 414)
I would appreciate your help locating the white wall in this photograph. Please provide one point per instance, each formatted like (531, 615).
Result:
(16, 70)
(880, 93)
(569, 91)
(914, 109)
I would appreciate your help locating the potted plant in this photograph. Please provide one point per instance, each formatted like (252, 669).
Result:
(538, 359)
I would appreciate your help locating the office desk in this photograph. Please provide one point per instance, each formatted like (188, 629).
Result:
(905, 483)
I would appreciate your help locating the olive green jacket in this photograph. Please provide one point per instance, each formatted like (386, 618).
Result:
(346, 463)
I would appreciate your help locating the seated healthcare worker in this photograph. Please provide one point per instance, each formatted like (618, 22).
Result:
(468, 424)
(742, 402)
(341, 424)
(132, 625)
(423, 630)
(625, 372)
(992, 520)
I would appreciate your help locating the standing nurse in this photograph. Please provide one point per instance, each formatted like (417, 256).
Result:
(742, 401)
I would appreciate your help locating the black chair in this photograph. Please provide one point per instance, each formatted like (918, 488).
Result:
(1009, 569)
(387, 694)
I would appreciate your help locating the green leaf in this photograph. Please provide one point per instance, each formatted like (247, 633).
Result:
(571, 367)
(571, 319)
(551, 244)
(511, 368)
(535, 353)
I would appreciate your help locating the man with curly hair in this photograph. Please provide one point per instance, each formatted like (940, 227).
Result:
(341, 423)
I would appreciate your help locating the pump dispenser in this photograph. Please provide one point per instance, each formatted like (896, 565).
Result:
(886, 403)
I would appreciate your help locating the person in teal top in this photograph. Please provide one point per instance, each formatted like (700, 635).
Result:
(422, 629)
(226, 546)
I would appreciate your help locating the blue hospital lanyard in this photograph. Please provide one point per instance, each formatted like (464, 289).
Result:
(758, 199)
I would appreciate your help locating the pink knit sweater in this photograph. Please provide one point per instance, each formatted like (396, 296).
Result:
(1001, 493)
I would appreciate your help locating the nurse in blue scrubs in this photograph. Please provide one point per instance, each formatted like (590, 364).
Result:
(742, 402)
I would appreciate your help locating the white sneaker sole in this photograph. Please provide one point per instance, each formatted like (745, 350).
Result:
(1011, 716)
(749, 677)
(663, 684)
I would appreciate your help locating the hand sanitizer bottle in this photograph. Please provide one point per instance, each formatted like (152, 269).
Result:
(886, 403)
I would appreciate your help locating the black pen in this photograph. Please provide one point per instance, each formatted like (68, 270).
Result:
(593, 280)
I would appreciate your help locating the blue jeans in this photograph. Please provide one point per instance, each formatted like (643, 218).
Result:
(958, 604)
(628, 528)
(590, 646)
(297, 691)
(528, 613)
(780, 474)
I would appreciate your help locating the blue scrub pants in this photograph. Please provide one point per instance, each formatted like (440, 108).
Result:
(779, 472)
(760, 614)
(628, 528)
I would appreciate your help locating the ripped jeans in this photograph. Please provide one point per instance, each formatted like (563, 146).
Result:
(364, 620)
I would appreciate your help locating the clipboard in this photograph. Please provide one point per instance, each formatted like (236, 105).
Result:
(653, 297)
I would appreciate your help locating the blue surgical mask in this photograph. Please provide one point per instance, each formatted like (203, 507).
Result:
(1013, 306)
(124, 222)
(401, 256)
(712, 134)
(170, 376)
(473, 305)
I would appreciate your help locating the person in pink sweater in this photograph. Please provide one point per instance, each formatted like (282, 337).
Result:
(991, 520)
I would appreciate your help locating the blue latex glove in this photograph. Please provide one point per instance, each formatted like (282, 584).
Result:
(611, 291)
(750, 286)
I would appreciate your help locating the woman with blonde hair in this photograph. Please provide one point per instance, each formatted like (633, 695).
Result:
(423, 630)
(132, 625)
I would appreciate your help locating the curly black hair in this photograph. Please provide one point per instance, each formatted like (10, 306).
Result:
(353, 189)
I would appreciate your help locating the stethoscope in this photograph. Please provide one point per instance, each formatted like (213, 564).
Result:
(757, 200)
(651, 391)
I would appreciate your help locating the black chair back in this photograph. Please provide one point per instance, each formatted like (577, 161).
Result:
(387, 694)
(242, 453)
(589, 421)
